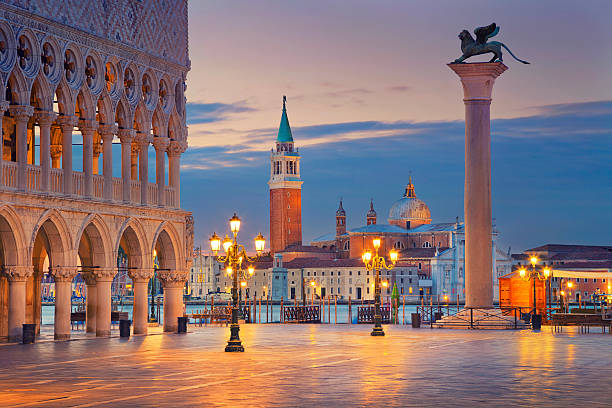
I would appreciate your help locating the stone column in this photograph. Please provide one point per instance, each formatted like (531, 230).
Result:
(126, 136)
(88, 128)
(45, 119)
(63, 277)
(140, 279)
(67, 124)
(92, 303)
(97, 149)
(160, 144)
(477, 80)
(17, 276)
(56, 155)
(104, 279)
(143, 141)
(175, 149)
(107, 132)
(134, 160)
(3, 108)
(21, 114)
(37, 301)
(173, 283)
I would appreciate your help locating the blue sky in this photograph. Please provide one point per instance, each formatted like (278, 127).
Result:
(370, 100)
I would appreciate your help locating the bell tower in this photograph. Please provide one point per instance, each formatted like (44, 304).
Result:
(285, 189)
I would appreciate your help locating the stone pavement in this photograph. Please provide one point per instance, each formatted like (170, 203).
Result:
(313, 366)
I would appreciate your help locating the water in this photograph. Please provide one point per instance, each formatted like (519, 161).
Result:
(341, 311)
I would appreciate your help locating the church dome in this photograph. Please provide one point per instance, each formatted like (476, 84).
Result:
(409, 211)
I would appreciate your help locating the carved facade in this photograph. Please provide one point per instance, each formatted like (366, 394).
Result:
(75, 70)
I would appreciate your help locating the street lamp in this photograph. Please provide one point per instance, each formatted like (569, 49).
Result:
(535, 274)
(374, 262)
(235, 255)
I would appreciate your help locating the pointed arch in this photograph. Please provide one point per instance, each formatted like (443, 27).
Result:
(174, 127)
(93, 242)
(12, 237)
(105, 112)
(41, 96)
(166, 243)
(123, 115)
(58, 237)
(85, 107)
(17, 90)
(132, 238)
(159, 123)
(63, 96)
(141, 118)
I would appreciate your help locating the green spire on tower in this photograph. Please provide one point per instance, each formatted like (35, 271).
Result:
(284, 131)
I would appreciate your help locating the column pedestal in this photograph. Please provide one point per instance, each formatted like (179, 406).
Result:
(477, 80)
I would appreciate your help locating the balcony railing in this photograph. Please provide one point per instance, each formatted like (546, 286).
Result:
(56, 185)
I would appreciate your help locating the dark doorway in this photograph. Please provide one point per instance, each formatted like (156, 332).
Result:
(358, 293)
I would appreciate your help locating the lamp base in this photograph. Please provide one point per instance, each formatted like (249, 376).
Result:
(377, 331)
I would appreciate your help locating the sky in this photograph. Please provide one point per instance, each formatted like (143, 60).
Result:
(371, 101)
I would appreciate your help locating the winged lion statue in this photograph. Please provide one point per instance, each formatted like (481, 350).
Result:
(471, 47)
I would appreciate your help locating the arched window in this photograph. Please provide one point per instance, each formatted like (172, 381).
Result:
(347, 245)
(398, 245)
(426, 244)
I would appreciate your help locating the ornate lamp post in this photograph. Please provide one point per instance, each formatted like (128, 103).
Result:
(235, 255)
(375, 262)
(535, 274)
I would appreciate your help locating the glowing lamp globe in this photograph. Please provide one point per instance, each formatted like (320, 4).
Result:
(385, 284)
(251, 270)
(533, 260)
(229, 270)
(376, 243)
(367, 256)
(393, 255)
(235, 224)
(570, 285)
(215, 243)
(312, 283)
(227, 243)
(260, 243)
(546, 272)
(522, 272)
(243, 284)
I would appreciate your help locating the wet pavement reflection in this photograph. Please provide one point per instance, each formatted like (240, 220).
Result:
(312, 365)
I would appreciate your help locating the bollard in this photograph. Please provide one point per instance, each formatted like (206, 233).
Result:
(182, 324)
(124, 327)
(536, 322)
(416, 320)
(29, 333)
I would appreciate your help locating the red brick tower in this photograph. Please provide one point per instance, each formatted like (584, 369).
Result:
(285, 190)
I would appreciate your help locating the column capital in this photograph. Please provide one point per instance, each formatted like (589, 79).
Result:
(107, 130)
(4, 105)
(140, 274)
(45, 118)
(160, 143)
(104, 274)
(17, 273)
(176, 148)
(89, 278)
(56, 150)
(88, 126)
(126, 135)
(67, 122)
(21, 112)
(478, 78)
(97, 149)
(63, 273)
(142, 138)
(172, 278)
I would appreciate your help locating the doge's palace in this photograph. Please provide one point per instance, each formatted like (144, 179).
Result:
(104, 71)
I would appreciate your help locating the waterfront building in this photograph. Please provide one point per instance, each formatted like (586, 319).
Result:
(85, 71)
(203, 273)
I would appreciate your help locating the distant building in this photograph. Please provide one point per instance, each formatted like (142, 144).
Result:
(202, 275)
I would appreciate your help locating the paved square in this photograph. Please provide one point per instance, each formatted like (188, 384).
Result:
(313, 365)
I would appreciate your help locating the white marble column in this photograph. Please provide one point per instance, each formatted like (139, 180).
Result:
(45, 119)
(107, 132)
(88, 128)
(63, 300)
(143, 141)
(104, 279)
(67, 124)
(3, 108)
(477, 80)
(17, 276)
(126, 136)
(140, 279)
(160, 144)
(175, 149)
(21, 114)
(92, 303)
(173, 283)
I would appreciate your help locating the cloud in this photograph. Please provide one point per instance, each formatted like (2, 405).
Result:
(198, 113)
(399, 88)
(594, 108)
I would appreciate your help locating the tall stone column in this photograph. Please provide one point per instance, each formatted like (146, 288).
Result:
(92, 302)
(134, 159)
(17, 276)
(67, 124)
(88, 128)
(173, 283)
(107, 132)
(477, 80)
(97, 149)
(143, 141)
(160, 144)
(63, 277)
(140, 279)
(45, 119)
(126, 136)
(104, 279)
(22, 114)
(175, 149)
(3, 108)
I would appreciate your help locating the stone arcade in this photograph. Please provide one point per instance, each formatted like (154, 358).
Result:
(107, 73)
